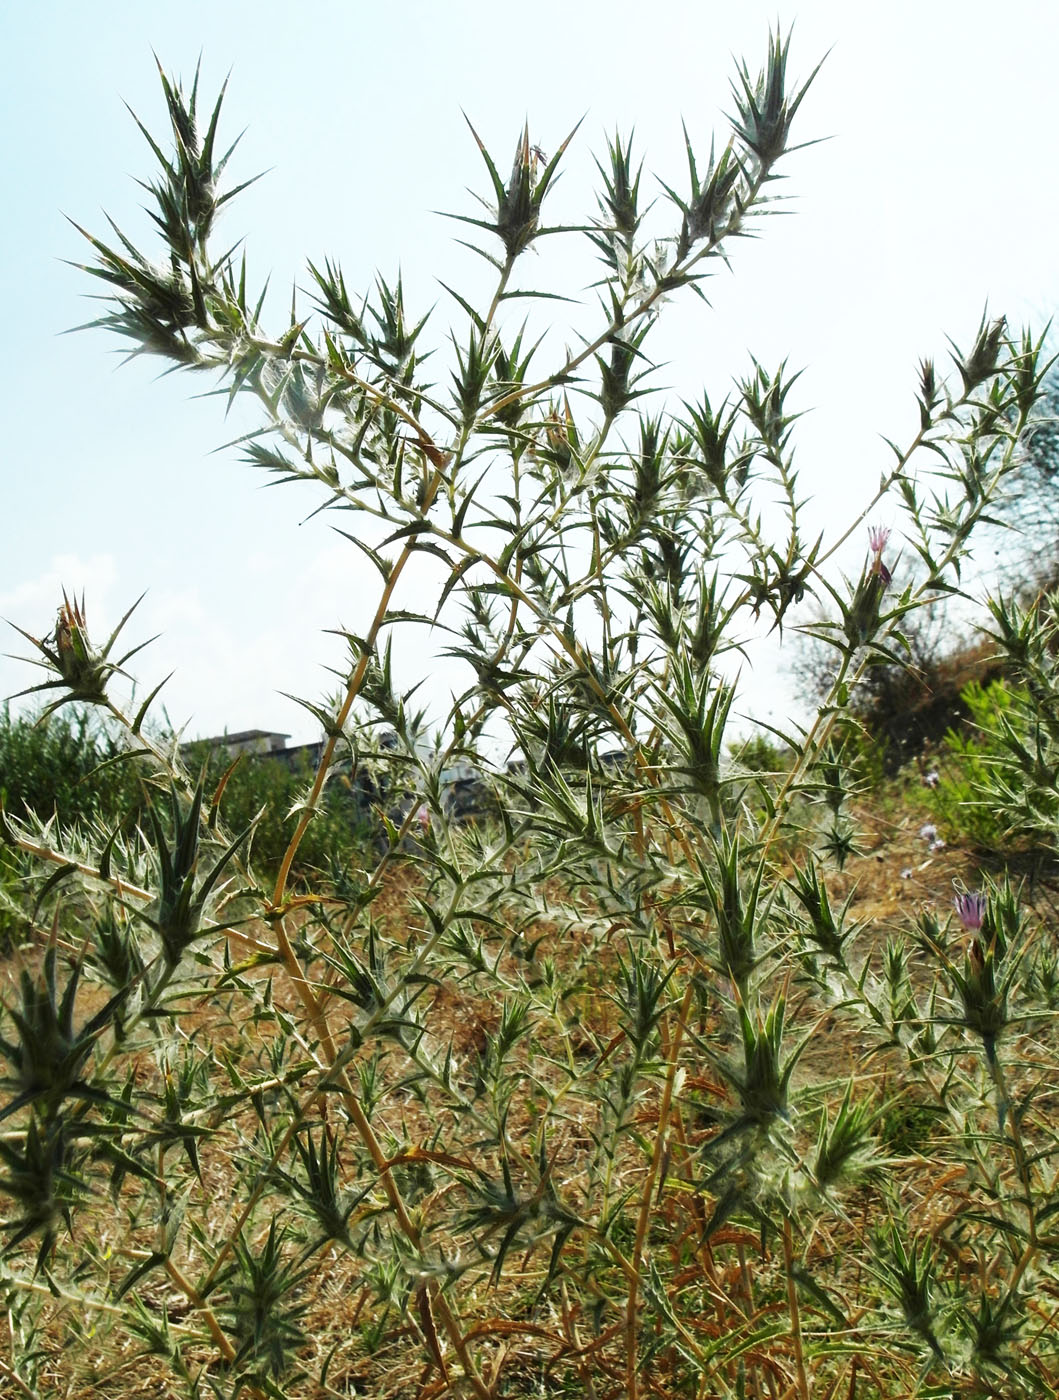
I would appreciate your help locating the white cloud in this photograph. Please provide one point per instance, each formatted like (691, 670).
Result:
(34, 599)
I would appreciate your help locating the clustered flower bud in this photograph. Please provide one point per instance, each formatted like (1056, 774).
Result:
(76, 661)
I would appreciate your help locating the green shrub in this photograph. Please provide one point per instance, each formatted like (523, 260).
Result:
(63, 763)
(965, 798)
(263, 791)
(72, 765)
(998, 786)
(14, 922)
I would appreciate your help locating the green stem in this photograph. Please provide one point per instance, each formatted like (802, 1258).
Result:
(794, 1310)
(1006, 1112)
(646, 1194)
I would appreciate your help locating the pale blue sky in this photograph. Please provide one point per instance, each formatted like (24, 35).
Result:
(938, 192)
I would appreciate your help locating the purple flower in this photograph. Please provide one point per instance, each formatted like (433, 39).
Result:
(928, 832)
(937, 845)
(970, 910)
(877, 537)
(932, 778)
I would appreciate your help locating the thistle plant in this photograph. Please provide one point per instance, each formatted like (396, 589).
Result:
(536, 1100)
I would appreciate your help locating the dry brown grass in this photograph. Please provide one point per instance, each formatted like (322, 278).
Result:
(554, 1344)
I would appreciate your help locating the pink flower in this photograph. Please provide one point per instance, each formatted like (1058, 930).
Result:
(877, 538)
(423, 817)
(970, 910)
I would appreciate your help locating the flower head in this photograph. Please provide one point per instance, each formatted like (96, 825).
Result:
(77, 668)
(929, 832)
(970, 909)
(877, 538)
